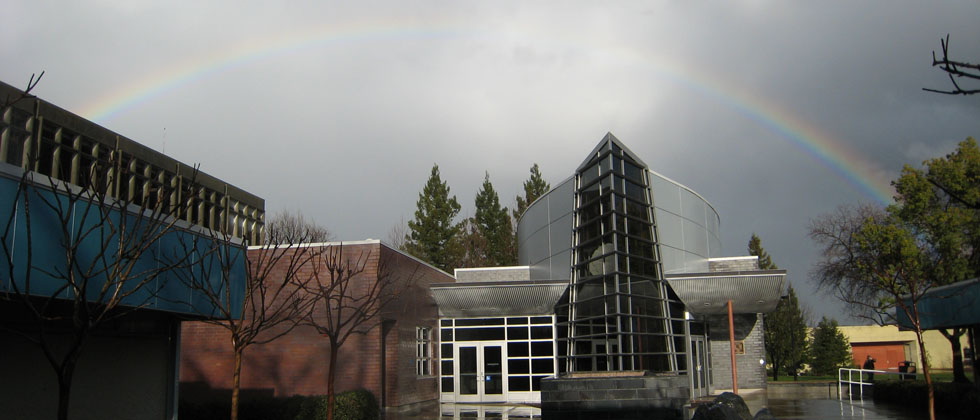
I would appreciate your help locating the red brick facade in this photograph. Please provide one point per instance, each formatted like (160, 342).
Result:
(296, 364)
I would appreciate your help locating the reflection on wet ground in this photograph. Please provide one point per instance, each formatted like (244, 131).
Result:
(838, 409)
(783, 409)
(476, 411)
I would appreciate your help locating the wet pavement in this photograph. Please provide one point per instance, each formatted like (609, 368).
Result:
(838, 409)
(783, 409)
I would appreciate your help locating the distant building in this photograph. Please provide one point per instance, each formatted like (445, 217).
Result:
(889, 347)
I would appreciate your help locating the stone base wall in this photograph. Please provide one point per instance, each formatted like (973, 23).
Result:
(640, 397)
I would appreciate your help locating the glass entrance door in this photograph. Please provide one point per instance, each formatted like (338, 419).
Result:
(700, 365)
(481, 372)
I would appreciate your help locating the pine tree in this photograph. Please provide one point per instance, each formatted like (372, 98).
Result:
(494, 225)
(431, 233)
(786, 336)
(534, 187)
(830, 349)
(755, 248)
(785, 327)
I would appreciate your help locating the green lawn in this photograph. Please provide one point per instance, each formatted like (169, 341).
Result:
(783, 378)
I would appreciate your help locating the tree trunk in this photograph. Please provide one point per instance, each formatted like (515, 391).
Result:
(925, 371)
(236, 383)
(64, 388)
(775, 371)
(331, 375)
(959, 375)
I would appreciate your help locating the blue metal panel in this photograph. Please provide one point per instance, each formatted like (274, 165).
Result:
(956, 305)
(90, 230)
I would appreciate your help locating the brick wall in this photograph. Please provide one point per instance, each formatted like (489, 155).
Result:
(749, 328)
(296, 364)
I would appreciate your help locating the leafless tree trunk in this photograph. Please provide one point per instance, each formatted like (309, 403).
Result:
(97, 273)
(347, 301)
(274, 299)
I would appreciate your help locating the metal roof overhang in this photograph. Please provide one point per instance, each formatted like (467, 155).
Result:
(468, 300)
(749, 291)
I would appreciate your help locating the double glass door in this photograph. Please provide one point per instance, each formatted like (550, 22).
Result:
(481, 372)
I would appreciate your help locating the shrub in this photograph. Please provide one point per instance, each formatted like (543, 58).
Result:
(951, 398)
(356, 405)
(351, 405)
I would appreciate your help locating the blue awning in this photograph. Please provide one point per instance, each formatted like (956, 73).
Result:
(951, 306)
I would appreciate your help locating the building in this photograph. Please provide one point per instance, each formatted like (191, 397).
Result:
(93, 230)
(945, 307)
(621, 275)
(391, 356)
(890, 346)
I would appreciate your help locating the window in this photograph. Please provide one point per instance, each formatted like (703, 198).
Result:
(423, 354)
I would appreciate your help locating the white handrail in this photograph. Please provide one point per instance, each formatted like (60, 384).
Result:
(860, 379)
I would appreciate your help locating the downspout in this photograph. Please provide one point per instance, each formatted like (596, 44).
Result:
(731, 341)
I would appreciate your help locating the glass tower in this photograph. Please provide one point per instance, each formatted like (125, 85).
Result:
(621, 314)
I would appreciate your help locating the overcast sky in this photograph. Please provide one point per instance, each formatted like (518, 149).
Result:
(774, 112)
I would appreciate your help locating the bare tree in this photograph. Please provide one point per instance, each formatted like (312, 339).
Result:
(77, 258)
(397, 234)
(293, 227)
(24, 94)
(349, 298)
(955, 70)
(273, 301)
(877, 265)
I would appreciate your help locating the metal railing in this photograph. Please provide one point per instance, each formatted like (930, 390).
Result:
(857, 377)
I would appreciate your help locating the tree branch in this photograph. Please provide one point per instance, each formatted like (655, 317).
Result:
(954, 69)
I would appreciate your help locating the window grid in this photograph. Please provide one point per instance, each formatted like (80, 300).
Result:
(530, 347)
(423, 352)
(621, 314)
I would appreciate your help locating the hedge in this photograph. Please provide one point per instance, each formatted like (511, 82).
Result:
(951, 398)
(350, 405)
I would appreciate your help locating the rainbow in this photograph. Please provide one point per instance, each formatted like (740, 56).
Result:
(833, 153)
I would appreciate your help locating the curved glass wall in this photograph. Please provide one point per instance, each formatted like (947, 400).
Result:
(687, 230)
(688, 226)
(621, 315)
(544, 234)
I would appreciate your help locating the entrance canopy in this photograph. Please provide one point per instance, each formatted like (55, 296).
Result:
(485, 299)
(750, 291)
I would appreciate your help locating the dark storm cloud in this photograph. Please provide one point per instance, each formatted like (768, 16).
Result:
(346, 128)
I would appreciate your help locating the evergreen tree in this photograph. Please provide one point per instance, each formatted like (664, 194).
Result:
(534, 187)
(830, 349)
(755, 248)
(469, 247)
(785, 327)
(493, 222)
(431, 233)
(786, 336)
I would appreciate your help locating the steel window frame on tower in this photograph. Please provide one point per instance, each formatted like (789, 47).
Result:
(621, 314)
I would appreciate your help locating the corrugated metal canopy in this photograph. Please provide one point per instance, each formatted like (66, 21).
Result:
(465, 300)
(749, 291)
